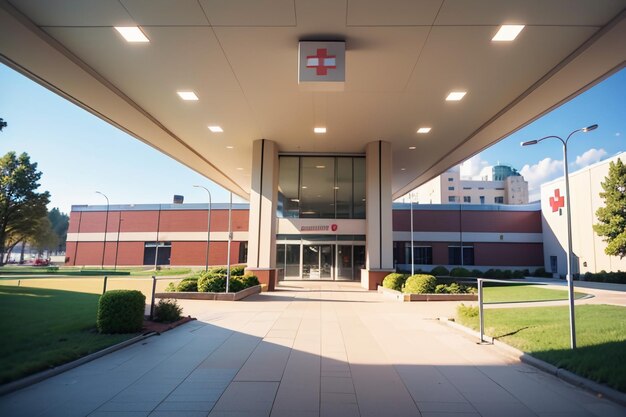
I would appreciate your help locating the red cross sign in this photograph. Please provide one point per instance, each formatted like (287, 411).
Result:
(557, 201)
(321, 61)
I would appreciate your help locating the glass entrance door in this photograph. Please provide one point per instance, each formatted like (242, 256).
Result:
(344, 262)
(317, 261)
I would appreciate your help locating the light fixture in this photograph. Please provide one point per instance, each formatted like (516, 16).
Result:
(304, 187)
(402, 169)
(187, 95)
(319, 129)
(425, 129)
(239, 169)
(132, 34)
(229, 147)
(507, 33)
(295, 200)
(320, 166)
(336, 188)
(216, 129)
(456, 95)
(412, 147)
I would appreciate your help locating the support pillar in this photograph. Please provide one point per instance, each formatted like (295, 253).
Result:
(379, 233)
(262, 221)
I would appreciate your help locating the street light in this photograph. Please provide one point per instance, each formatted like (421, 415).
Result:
(208, 231)
(106, 225)
(412, 245)
(570, 278)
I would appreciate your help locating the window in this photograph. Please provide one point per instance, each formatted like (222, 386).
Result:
(482, 199)
(554, 265)
(450, 188)
(451, 199)
(321, 187)
(498, 200)
(450, 179)
(454, 255)
(243, 252)
(467, 199)
(481, 188)
(467, 188)
(422, 255)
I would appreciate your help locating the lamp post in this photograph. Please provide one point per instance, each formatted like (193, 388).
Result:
(106, 225)
(117, 243)
(570, 278)
(230, 238)
(412, 248)
(208, 229)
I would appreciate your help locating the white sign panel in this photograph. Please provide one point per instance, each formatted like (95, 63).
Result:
(322, 64)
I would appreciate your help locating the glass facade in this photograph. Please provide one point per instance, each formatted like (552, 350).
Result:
(321, 187)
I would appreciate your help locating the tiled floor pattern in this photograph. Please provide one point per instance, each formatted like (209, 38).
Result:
(311, 349)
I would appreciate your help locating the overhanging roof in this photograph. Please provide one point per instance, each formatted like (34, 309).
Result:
(403, 57)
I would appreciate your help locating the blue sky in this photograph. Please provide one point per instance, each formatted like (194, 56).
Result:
(79, 153)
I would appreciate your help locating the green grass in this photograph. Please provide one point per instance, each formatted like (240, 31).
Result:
(523, 292)
(544, 333)
(44, 328)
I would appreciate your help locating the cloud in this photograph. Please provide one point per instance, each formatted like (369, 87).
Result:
(543, 171)
(593, 155)
(470, 168)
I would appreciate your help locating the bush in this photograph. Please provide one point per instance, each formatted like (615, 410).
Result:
(120, 311)
(441, 289)
(171, 287)
(440, 271)
(210, 282)
(167, 311)
(467, 311)
(455, 288)
(249, 280)
(394, 281)
(188, 285)
(460, 272)
(420, 284)
(477, 273)
(618, 277)
(237, 270)
(541, 272)
(219, 270)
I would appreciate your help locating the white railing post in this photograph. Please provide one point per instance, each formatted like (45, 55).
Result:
(481, 316)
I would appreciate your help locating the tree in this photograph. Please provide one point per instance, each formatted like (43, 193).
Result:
(612, 217)
(60, 222)
(21, 207)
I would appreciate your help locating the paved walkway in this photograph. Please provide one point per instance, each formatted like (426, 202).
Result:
(314, 349)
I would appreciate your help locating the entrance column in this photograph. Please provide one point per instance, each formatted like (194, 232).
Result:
(262, 221)
(379, 234)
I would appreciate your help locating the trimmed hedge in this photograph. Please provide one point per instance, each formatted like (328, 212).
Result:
(420, 284)
(395, 281)
(618, 277)
(237, 270)
(217, 283)
(460, 272)
(120, 311)
(440, 271)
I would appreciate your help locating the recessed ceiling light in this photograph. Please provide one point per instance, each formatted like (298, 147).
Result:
(239, 169)
(229, 147)
(215, 129)
(132, 33)
(412, 147)
(187, 95)
(507, 33)
(456, 95)
(424, 129)
(304, 187)
(402, 169)
(320, 166)
(319, 129)
(295, 200)
(336, 188)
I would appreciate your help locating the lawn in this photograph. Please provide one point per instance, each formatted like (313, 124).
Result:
(544, 333)
(43, 328)
(524, 292)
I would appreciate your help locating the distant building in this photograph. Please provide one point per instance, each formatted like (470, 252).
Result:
(587, 247)
(498, 184)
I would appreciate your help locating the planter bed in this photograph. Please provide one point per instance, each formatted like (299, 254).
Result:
(220, 296)
(397, 295)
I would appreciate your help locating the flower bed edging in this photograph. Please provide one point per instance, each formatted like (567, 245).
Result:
(220, 296)
(398, 296)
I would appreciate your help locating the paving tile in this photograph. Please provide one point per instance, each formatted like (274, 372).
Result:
(445, 407)
(129, 406)
(118, 414)
(247, 397)
(335, 384)
(205, 406)
(178, 414)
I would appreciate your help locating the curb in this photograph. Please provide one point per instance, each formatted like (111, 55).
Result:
(38, 377)
(595, 388)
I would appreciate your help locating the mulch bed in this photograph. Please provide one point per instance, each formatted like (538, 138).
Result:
(153, 326)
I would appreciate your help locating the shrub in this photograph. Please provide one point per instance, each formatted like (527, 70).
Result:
(518, 274)
(188, 285)
(394, 281)
(167, 311)
(210, 282)
(120, 311)
(237, 270)
(440, 271)
(420, 284)
(441, 289)
(618, 277)
(467, 311)
(477, 273)
(249, 280)
(220, 270)
(460, 272)
(455, 288)
(541, 272)
(171, 287)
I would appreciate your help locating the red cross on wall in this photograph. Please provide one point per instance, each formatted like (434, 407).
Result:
(557, 201)
(321, 62)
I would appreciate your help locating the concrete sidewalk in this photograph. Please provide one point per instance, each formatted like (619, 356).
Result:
(313, 349)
